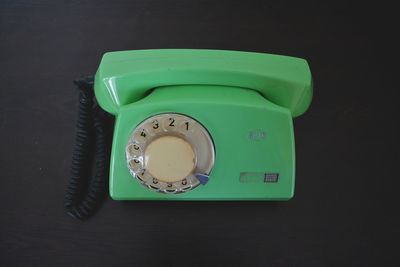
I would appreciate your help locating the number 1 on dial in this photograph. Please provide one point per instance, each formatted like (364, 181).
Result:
(186, 128)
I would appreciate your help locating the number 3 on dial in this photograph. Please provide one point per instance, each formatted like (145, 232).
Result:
(153, 127)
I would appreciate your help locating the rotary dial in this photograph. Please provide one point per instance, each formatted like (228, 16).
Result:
(170, 153)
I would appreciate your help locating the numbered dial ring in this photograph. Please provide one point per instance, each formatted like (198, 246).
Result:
(170, 153)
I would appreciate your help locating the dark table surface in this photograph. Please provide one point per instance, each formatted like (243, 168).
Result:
(343, 212)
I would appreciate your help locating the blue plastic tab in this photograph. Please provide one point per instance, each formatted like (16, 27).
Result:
(202, 178)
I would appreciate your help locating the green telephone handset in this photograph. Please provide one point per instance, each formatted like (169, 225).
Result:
(202, 124)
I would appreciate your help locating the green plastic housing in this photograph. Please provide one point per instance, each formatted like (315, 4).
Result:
(245, 100)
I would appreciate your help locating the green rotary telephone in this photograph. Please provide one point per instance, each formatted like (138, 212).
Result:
(202, 124)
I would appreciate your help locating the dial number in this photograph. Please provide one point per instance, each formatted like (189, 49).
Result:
(135, 164)
(186, 128)
(153, 127)
(141, 136)
(170, 124)
(143, 175)
(134, 150)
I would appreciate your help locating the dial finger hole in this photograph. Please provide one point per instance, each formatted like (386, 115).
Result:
(134, 150)
(154, 184)
(141, 135)
(169, 188)
(144, 176)
(135, 164)
(184, 182)
(154, 127)
(171, 123)
(186, 127)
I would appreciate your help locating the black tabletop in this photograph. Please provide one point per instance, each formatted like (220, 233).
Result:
(343, 212)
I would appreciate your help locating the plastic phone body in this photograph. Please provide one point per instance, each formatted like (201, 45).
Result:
(245, 100)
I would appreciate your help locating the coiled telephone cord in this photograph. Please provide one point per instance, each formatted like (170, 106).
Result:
(85, 192)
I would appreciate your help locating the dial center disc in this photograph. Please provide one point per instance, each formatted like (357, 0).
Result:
(169, 159)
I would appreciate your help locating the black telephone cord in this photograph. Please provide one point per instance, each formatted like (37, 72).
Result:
(85, 193)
